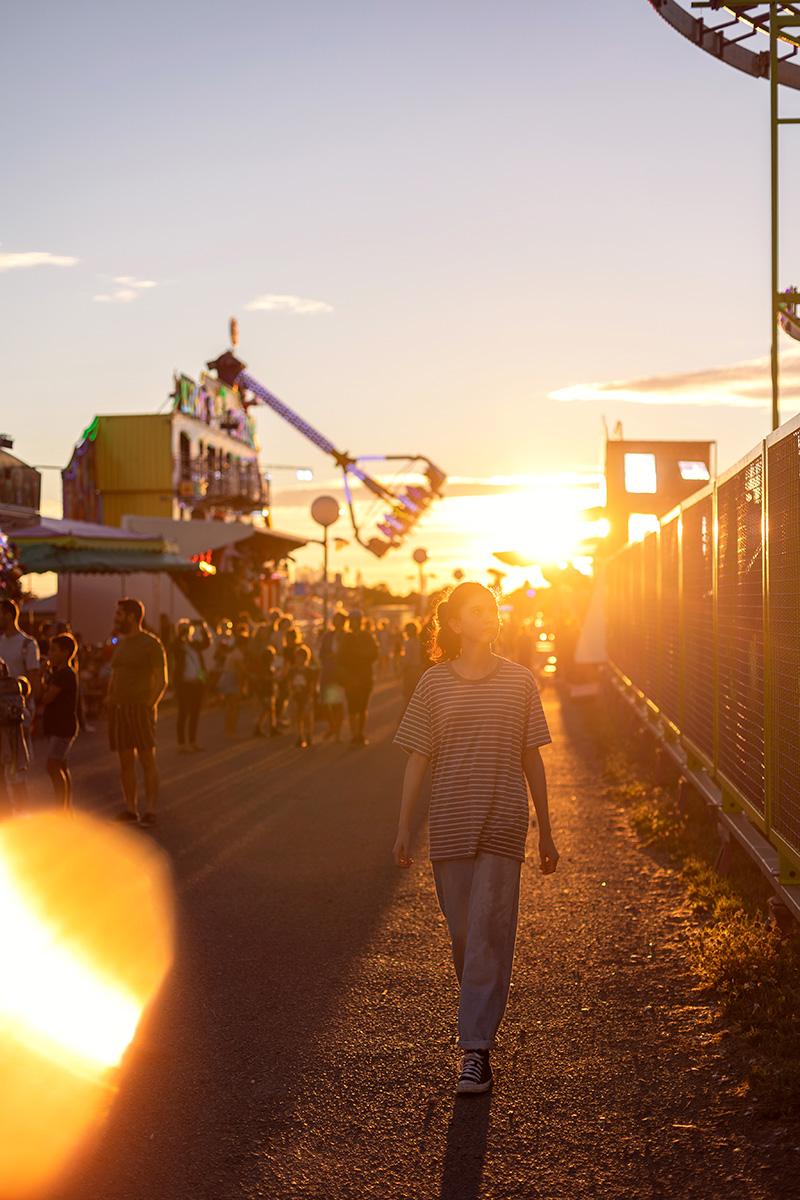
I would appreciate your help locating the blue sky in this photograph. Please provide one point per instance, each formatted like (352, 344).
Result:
(492, 202)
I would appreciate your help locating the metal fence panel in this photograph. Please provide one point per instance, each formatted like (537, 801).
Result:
(635, 639)
(670, 699)
(783, 663)
(615, 607)
(698, 628)
(650, 617)
(740, 632)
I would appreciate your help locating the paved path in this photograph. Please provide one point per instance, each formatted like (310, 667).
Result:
(303, 1045)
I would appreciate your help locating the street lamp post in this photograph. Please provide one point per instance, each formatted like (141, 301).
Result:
(325, 511)
(420, 557)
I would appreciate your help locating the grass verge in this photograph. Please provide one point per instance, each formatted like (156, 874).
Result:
(751, 971)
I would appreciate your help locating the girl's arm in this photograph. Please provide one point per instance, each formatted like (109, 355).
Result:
(533, 767)
(416, 767)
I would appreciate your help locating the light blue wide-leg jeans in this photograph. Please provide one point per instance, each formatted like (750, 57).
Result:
(480, 900)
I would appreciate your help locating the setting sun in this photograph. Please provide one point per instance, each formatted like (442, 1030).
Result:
(540, 518)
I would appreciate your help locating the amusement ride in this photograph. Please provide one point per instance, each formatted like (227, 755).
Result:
(417, 482)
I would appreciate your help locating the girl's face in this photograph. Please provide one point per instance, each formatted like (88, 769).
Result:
(478, 619)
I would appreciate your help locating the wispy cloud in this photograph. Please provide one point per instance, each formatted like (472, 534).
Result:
(12, 261)
(293, 304)
(128, 290)
(129, 281)
(742, 385)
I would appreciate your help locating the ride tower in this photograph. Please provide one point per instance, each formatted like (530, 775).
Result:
(779, 23)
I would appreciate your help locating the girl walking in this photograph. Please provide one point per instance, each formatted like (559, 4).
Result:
(477, 719)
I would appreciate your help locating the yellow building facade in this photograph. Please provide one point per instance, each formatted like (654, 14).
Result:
(198, 460)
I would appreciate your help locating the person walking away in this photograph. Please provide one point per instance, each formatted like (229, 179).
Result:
(19, 652)
(188, 675)
(14, 754)
(397, 651)
(525, 648)
(478, 719)
(302, 681)
(385, 639)
(28, 716)
(138, 681)
(223, 643)
(357, 653)
(331, 692)
(60, 703)
(232, 681)
(290, 640)
(412, 660)
(263, 681)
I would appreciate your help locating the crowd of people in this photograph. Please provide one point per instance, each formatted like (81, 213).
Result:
(272, 678)
(292, 684)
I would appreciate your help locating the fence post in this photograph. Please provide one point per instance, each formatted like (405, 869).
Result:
(715, 621)
(729, 803)
(789, 872)
(767, 651)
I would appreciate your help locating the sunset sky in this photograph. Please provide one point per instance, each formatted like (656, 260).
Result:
(464, 230)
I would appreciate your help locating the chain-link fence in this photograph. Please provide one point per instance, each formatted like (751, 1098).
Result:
(704, 623)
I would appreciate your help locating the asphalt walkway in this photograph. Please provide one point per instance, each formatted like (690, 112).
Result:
(303, 1045)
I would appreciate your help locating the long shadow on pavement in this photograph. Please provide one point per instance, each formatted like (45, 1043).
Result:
(274, 907)
(465, 1154)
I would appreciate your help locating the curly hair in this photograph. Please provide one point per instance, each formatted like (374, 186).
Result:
(445, 643)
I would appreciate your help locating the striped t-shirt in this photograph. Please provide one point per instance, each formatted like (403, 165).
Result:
(474, 732)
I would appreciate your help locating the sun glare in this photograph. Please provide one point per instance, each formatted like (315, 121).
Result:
(86, 935)
(543, 522)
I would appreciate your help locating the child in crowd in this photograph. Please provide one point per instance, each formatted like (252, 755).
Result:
(233, 680)
(478, 719)
(21, 753)
(264, 692)
(302, 684)
(27, 713)
(60, 700)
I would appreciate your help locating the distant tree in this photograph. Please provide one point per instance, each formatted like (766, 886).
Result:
(379, 595)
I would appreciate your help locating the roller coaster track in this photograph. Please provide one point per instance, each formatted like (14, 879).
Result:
(724, 40)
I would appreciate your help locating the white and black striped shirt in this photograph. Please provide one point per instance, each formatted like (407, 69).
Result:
(474, 731)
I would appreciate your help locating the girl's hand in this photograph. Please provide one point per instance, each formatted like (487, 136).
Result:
(548, 855)
(401, 848)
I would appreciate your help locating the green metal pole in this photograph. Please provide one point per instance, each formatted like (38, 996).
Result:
(773, 115)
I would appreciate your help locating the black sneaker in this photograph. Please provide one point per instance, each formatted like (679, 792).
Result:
(147, 820)
(126, 816)
(476, 1074)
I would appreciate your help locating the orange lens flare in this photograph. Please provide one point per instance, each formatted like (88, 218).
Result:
(86, 935)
